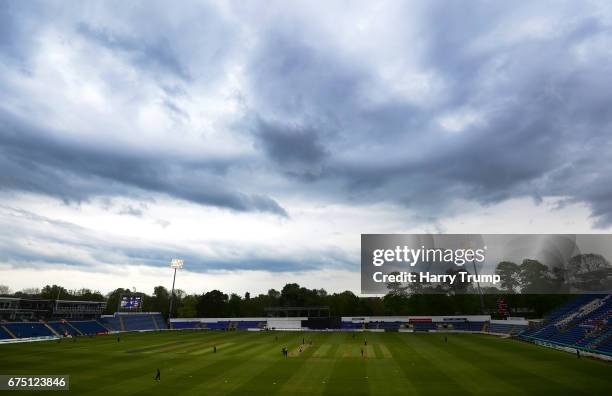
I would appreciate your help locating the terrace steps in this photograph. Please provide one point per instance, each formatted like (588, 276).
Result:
(154, 322)
(75, 329)
(602, 339)
(100, 323)
(8, 331)
(51, 329)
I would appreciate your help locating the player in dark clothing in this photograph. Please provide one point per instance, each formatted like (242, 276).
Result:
(578, 353)
(118, 339)
(361, 352)
(365, 342)
(214, 349)
(158, 376)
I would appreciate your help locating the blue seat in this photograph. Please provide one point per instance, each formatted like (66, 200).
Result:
(62, 328)
(28, 329)
(4, 335)
(89, 327)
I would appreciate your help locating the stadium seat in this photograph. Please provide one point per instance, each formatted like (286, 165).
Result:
(88, 327)
(111, 323)
(4, 335)
(28, 329)
(63, 328)
(582, 323)
(139, 322)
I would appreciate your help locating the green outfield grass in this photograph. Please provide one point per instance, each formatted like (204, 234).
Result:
(251, 363)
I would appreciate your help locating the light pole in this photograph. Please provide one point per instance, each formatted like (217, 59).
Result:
(176, 264)
(470, 245)
(482, 306)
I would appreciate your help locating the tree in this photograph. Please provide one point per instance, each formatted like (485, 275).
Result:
(509, 274)
(396, 288)
(4, 290)
(589, 272)
(234, 305)
(212, 305)
(188, 307)
(395, 304)
(54, 292)
(29, 291)
(345, 303)
(160, 301)
(457, 287)
(535, 277)
(291, 296)
(274, 295)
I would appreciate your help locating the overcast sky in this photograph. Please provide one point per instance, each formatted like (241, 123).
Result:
(258, 142)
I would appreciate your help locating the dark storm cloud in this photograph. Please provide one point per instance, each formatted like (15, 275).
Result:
(324, 114)
(33, 161)
(297, 151)
(542, 97)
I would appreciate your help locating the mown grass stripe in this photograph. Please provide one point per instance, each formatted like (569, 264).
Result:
(249, 363)
(322, 350)
(209, 348)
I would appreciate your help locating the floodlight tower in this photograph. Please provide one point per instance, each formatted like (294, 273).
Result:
(470, 245)
(176, 264)
(482, 304)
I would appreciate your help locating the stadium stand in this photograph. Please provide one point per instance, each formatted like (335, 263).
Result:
(228, 323)
(28, 329)
(63, 328)
(467, 326)
(422, 325)
(4, 335)
(221, 325)
(499, 327)
(246, 324)
(110, 322)
(583, 323)
(138, 322)
(133, 321)
(88, 327)
(351, 325)
(189, 325)
(158, 321)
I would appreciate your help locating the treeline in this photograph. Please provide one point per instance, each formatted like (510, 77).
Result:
(215, 303)
(54, 293)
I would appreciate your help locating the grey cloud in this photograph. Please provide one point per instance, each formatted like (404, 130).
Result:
(132, 211)
(159, 55)
(33, 161)
(543, 107)
(322, 117)
(86, 249)
(296, 150)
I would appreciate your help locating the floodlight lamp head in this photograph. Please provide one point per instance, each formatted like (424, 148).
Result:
(176, 263)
